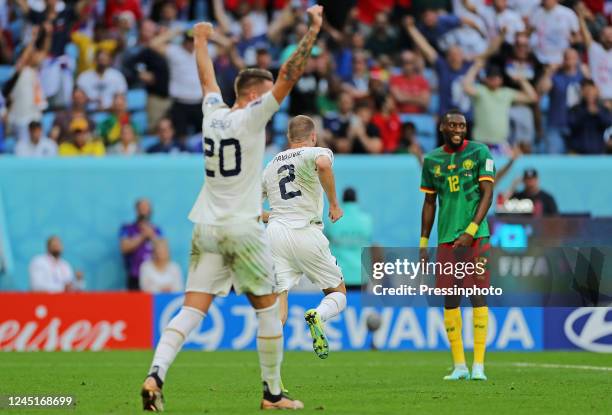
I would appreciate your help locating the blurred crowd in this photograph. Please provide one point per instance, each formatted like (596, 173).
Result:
(96, 77)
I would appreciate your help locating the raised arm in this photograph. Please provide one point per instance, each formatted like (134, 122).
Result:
(469, 80)
(527, 94)
(292, 69)
(584, 30)
(326, 177)
(426, 49)
(159, 42)
(206, 71)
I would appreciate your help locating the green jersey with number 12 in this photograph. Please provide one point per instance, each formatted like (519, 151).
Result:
(454, 176)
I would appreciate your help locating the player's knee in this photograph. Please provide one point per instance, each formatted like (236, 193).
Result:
(186, 320)
(452, 301)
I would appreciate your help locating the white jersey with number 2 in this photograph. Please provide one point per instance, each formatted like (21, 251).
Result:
(234, 143)
(291, 184)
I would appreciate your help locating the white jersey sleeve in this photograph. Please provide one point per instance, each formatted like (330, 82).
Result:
(212, 102)
(293, 187)
(258, 113)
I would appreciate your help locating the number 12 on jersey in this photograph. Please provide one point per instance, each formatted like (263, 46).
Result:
(453, 183)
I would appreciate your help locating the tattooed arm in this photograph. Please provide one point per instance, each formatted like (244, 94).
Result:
(293, 68)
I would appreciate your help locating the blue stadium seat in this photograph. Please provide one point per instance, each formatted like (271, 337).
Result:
(136, 99)
(6, 71)
(9, 145)
(426, 129)
(47, 122)
(72, 50)
(434, 104)
(139, 119)
(148, 141)
(98, 117)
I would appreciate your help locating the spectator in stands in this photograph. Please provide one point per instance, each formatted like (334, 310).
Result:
(115, 7)
(600, 57)
(363, 135)
(410, 89)
(185, 90)
(409, 142)
(519, 61)
(497, 17)
(562, 84)
(127, 145)
(336, 123)
(303, 96)
(110, 129)
(24, 93)
(348, 237)
(102, 83)
(88, 46)
(450, 71)
(587, 122)
(150, 68)
(388, 122)
(492, 102)
(82, 143)
(160, 274)
(37, 145)
(136, 242)
(382, 39)
(51, 273)
(168, 143)
(358, 83)
(61, 15)
(555, 27)
(543, 203)
(60, 131)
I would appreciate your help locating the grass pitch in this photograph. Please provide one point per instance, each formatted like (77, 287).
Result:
(346, 383)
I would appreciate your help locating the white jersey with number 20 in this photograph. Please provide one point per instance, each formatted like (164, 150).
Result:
(292, 185)
(234, 143)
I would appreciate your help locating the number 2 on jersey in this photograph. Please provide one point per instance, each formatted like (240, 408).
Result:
(209, 151)
(285, 195)
(453, 183)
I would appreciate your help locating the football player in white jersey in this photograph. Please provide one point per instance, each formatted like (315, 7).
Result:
(229, 244)
(294, 182)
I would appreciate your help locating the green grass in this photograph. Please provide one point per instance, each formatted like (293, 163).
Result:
(346, 383)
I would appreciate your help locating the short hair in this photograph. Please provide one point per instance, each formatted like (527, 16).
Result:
(247, 78)
(300, 127)
(349, 195)
(586, 82)
(453, 111)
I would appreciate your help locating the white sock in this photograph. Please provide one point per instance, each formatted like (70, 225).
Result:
(461, 366)
(173, 337)
(478, 366)
(270, 346)
(331, 305)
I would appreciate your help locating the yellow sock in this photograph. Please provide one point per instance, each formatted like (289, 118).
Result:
(481, 319)
(452, 322)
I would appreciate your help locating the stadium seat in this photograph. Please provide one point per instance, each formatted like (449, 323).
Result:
(9, 145)
(99, 117)
(136, 100)
(148, 141)
(72, 50)
(434, 104)
(545, 103)
(425, 125)
(6, 71)
(47, 122)
(139, 119)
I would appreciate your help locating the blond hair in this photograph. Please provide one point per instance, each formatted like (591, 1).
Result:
(300, 128)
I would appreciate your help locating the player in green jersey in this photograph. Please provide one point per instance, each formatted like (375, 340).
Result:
(460, 175)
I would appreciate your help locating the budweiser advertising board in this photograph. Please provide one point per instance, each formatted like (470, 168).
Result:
(93, 321)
